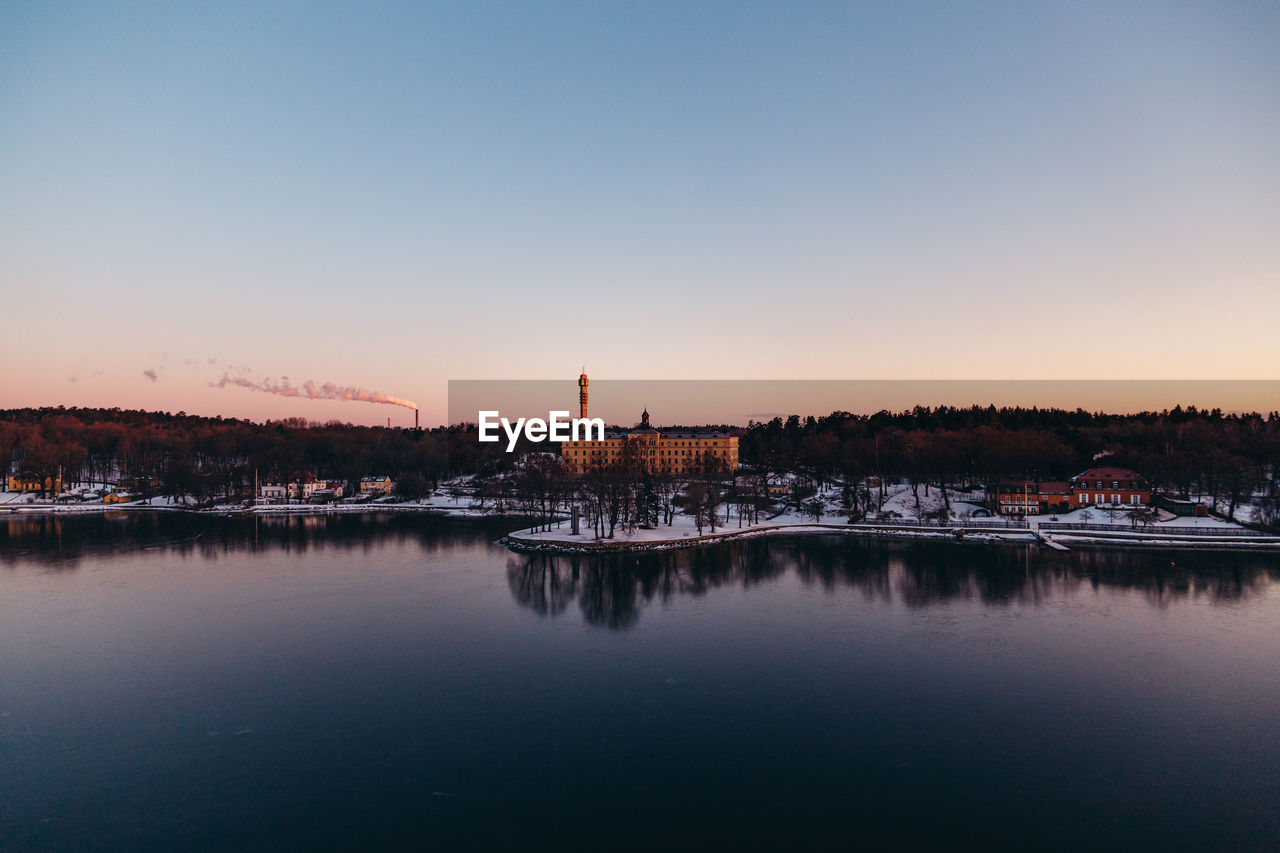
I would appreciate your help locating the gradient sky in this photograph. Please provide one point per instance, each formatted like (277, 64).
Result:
(688, 402)
(394, 195)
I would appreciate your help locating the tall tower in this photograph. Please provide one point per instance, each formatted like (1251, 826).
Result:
(582, 393)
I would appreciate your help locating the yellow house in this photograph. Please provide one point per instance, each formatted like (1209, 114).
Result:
(118, 498)
(376, 485)
(31, 482)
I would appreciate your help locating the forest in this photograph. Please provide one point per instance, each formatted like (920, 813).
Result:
(1181, 451)
(1184, 451)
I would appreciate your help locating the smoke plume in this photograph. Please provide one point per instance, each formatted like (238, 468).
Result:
(312, 391)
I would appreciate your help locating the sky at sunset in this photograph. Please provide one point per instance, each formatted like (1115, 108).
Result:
(389, 196)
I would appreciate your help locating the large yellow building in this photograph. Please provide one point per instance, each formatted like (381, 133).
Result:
(31, 482)
(657, 451)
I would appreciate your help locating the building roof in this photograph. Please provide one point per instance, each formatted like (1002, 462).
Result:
(1016, 485)
(1043, 487)
(684, 433)
(1108, 474)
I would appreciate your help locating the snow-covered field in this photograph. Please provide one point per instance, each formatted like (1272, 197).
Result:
(1124, 519)
(454, 497)
(1249, 513)
(901, 504)
(683, 527)
(684, 533)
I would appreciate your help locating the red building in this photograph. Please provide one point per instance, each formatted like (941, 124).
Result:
(1109, 487)
(1031, 497)
(1106, 487)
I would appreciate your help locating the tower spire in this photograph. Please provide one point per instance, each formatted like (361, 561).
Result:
(582, 393)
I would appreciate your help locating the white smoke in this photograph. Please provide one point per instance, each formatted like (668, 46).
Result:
(313, 391)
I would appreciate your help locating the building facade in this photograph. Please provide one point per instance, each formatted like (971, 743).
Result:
(1031, 497)
(32, 482)
(300, 487)
(1109, 488)
(376, 485)
(676, 452)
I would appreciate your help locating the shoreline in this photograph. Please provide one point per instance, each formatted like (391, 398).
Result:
(606, 546)
(265, 511)
(542, 542)
(533, 543)
(525, 544)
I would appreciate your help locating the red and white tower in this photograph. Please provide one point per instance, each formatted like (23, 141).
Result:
(582, 393)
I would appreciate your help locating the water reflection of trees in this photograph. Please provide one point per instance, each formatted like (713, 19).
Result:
(61, 542)
(1167, 576)
(612, 589)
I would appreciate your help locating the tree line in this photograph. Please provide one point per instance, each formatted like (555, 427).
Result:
(189, 455)
(1181, 451)
(1228, 457)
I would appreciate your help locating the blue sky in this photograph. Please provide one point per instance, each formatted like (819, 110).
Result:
(393, 195)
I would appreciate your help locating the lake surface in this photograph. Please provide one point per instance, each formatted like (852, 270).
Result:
(397, 681)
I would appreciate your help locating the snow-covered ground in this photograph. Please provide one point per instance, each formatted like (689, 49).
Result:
(901, 504)
(1247, 512)
(454, 497)
(684, 532)
(1124, 519)
(682, 528)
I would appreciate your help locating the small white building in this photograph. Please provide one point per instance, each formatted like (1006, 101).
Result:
(303, 488)
(273, 491)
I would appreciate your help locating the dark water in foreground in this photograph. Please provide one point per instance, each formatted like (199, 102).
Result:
(169, 682)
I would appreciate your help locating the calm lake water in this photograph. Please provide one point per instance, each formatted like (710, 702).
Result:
(172, 682)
